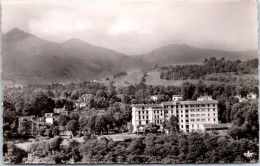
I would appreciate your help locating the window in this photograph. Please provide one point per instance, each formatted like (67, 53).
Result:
(142, 107)
(154, 111)
(143, 112)
(208, 105)
(181, 115)
(181, 120)
(187, 116)
(139, 117)
(187, 120)
(186, 111)
(158, 111)
(181, 126)
(214, 119)
(161, 114)
(181, 111)
(143, 117)
(146, 117)
(181, 106)
(147, 112)
(172, 106)
(177, 111)
(147, 122)
(176, 106)
(139, 112)
(186, 106)
(139, 122)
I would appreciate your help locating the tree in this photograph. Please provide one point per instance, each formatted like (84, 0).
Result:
(14, 155)
(74, 116)
(173, 124)
(25, 128)
(72, 126)
(100, 123)
(91, 123)
(151, 128)
(75, 94)
(56, 131)
(143, 79)
(63, 119)
(187, 90)
(55, 143)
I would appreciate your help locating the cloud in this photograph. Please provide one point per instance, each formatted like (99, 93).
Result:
(128, 25)
(138, 27)
(59, 22)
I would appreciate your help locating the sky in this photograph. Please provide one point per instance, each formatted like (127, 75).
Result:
(138, 27)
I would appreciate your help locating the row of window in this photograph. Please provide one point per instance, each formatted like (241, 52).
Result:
(177, 111)
(194, 115)
(154, 121)
(192, 105)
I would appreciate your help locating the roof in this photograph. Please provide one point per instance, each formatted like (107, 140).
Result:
(177, 102)
(217, 126)
(147, 105)
(199, 102)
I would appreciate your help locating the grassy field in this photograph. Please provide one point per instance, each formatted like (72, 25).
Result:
(153, 78)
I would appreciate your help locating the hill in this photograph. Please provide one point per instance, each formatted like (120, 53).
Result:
(29, 59)
(184, 54)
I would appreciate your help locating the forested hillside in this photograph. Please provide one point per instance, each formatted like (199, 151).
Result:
(209, 66)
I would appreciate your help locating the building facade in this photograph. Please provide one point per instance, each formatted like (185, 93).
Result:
(192, 115)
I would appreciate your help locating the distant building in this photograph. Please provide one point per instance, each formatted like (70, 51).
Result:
(192, 115)
(59, 110)
(252, 96)
(202, 98)
(84, 100)
(154, 97)
(240, 99)
(217, 127)
(22, 119)
(176, 97)
(49, 118)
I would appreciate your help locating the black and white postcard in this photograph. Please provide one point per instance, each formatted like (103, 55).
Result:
(130, 82)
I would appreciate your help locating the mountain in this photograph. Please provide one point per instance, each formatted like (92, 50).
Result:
(29, 59)
(183, 54)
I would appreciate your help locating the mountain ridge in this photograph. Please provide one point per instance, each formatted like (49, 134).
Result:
(28, 59)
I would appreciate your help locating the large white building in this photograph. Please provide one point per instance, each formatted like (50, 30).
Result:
(192, 115)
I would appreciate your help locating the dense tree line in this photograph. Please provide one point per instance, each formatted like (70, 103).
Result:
(232, 79)
(173, 148)
(120, 74)
(209, 66)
